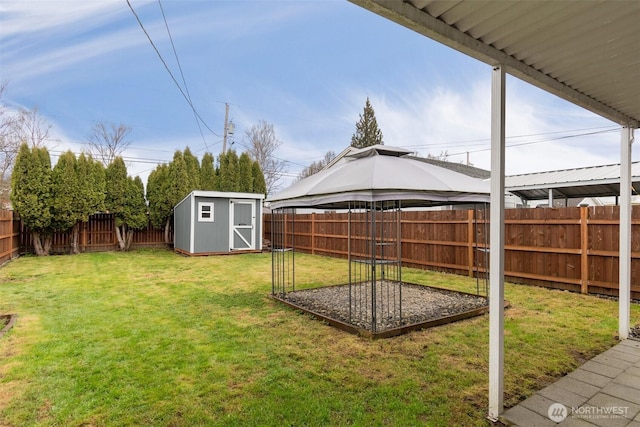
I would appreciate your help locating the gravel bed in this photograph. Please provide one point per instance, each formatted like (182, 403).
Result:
(419, 304)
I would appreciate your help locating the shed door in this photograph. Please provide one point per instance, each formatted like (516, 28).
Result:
(243, 218)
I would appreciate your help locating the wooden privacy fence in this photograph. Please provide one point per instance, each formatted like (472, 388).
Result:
(96, 235)
(9, 236)
(566, 248)
(574, 249)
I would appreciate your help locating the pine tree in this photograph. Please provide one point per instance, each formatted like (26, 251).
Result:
(245, 175)
(160, 208)
(124, 198)
(137, 217)
(178, 179)
(91, 180)
(228, 176)
(65, 192)
(367, 131)
(31, 194)
(193, 170)
(259, 184)
(207, 173)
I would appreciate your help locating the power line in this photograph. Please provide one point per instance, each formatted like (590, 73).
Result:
(483, 141)
(541, 141)
(184, 81)
(169, 71)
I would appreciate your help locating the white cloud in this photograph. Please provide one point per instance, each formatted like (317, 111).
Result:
(29, 16)
(456, 120)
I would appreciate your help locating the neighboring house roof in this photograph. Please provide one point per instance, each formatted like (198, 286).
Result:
(594, 181)
(382, 173)
(471, 171)
(458, 167)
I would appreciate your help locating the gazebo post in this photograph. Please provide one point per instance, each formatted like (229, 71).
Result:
(496, 275)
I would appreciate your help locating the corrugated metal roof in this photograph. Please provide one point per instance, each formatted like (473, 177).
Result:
(596, 181)
(587, 52)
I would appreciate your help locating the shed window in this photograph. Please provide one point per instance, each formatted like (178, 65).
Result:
(205, 212)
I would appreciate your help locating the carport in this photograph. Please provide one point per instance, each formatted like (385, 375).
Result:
(577, 183)
(585, 52)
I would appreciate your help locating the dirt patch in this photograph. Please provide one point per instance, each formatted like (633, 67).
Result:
(6, 323)
(398, 308)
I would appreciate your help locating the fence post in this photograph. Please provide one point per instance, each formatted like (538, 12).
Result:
(313, 233)
(471, 237)
(83, 225)
(284, 230)
(584, 250)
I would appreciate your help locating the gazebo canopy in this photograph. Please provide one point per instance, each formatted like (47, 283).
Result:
(382, 173)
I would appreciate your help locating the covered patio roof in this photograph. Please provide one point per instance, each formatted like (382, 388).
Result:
(585, 52)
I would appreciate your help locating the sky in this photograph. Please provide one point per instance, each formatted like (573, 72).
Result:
(306, 67)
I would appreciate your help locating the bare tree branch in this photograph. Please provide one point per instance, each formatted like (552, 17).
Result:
(34, 130)
(316, 167)
(262, 146)
(108, 141)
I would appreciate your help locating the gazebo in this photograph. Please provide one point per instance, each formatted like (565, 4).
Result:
(372, 185)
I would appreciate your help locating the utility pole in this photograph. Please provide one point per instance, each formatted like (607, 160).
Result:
(226, 118)
(229, 127)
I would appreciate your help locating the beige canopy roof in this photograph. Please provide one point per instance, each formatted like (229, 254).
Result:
(382, 173)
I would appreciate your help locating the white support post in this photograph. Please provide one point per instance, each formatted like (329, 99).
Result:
(624, 260)
(496, 265)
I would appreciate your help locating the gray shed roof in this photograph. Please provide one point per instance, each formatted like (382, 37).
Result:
(382, 173)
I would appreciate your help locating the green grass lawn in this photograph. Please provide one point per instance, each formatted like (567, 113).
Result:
(154, 338)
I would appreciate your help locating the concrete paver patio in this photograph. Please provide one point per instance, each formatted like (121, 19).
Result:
(605, 391)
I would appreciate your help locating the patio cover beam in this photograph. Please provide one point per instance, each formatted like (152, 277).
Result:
(411, 17)
(496, 239)
(624, 260)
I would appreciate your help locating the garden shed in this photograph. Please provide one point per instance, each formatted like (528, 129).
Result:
(214, 222)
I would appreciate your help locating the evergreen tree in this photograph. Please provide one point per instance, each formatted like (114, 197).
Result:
(65, 193)
(31, 194)
(137, 217)
(367, 131)
(124, 198)
(178, 179)
(245, 175)
(228, 176)
(91, 180)
(160, 208)
(193, 170)
(208, 176)
(95, 185)
(259, 184)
